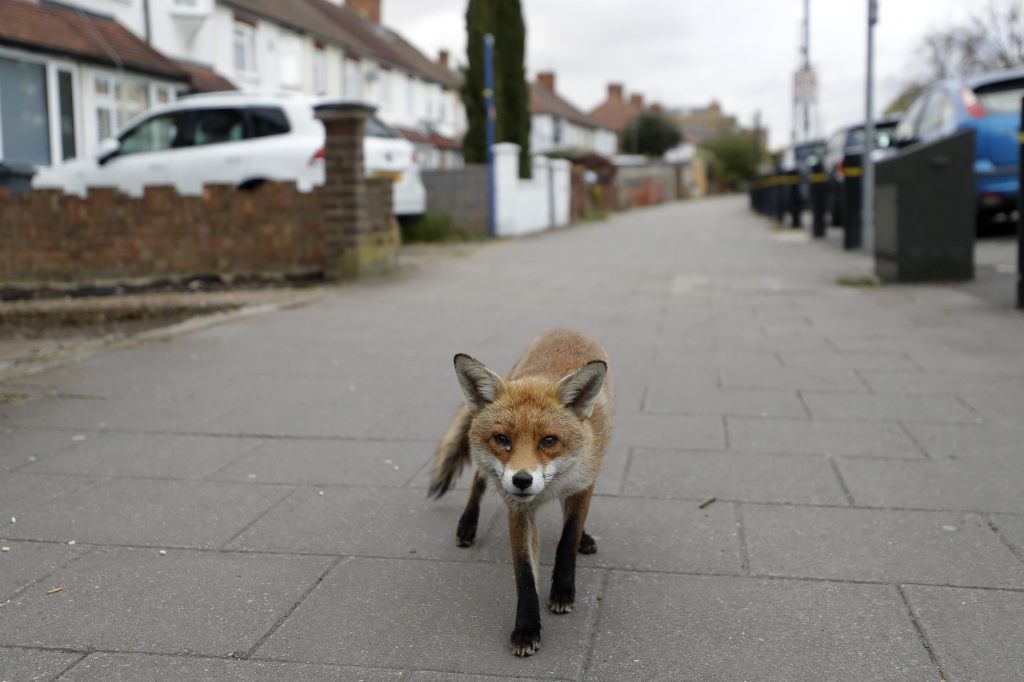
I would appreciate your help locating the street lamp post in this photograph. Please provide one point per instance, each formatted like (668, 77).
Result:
(867, 211)
(492, 228)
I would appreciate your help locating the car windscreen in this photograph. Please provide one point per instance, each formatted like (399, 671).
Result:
(1001, 98)
(883, 136)
(377, 128)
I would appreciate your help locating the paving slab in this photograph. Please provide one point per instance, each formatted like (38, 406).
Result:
(145, 455)
(24, 495)
(23, 563)
(425, 676)
(991, 485)
(17, 665)
(975, 634)
(875, 407)
(968, 442)
(929, 383)
(1004, 409)
(670, 627)
(668, 431)
(1011, 528)
(368, 522)
(819, 437)
(19, 447)
(668, 396)
(452, 616)
(793, 378)
(149, 512)
(183, 602)
(943, 548)
(140, 667)
(331, 462)
(846, 361)
(792, 479)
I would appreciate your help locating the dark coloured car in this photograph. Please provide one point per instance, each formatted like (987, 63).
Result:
(990, 104)
(801, 158)
(843, 158)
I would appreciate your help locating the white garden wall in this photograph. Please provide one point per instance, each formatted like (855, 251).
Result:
(527, 206)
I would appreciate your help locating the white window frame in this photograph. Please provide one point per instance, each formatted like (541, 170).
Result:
(289, 60)
(243, 34)
(353, 85)
(384, 89)
(319, 69)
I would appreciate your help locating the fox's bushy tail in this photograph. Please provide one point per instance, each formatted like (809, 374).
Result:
(452, 454)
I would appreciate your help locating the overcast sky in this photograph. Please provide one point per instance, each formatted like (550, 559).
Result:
(687, 52)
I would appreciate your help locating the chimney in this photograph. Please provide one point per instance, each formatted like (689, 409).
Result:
(636, 101)
(615, 92)
(547, 79)
(367, 9)
(656, 108)
(442, 58)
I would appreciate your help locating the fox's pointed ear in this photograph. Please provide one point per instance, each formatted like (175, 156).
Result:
(580, 390)
(480, 384)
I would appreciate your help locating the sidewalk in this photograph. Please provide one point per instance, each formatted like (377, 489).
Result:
(247, 501)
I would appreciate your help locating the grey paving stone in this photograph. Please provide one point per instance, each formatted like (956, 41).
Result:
(845, 361)
(1011, 528)
(331, 462)
(144, 414)
(145, 455)
(1004, 409)
(17, 665)
(27, 562)
(793, 378)
(148, 668)
(944, 548)
(665, 627)
(820, 437)
(150, 512)
(134, 599)
(424, 676)
(452, 616)
(19, 447)
(930, 383)
(797, 479)
(641, 534)
(399, 422)
(368, 522)
(668, 431)
(667, 396)
(968, 442)
(25, 495)
(295, 419)
(875, 407)
(992, 485)
(975, 634)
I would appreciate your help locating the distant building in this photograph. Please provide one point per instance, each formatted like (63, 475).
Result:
(615, 112)
(701, 124)
(555, 124)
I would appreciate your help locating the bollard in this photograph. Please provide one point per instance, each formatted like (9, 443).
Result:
(1020, 216)
(851, 207)
(780, 198)
(819, 199)
(796, 199)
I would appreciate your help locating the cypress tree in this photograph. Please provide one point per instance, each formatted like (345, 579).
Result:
(503, 19)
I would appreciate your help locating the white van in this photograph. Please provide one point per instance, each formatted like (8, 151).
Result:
(233, 138)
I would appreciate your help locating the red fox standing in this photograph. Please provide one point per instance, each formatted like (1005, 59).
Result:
(537, 435)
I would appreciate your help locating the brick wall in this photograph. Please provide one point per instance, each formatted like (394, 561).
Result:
(343, 229)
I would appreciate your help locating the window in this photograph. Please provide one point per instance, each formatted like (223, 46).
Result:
(557, 135)
(244, 44)
(153, 135)
(289, 59)
(410, 95)
(268, 121)
(384, 89)
(216, 126)
(24, 117)
(353, 87)
(117, 102)
(66, 104)
(319, 69)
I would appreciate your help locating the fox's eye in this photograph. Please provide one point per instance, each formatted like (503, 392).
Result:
(502, 441)
(548, 441)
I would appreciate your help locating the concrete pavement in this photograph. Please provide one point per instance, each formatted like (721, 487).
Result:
(247, 502)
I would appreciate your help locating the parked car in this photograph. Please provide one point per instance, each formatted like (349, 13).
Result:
(802, 157)
(845, 152)
(233, 138)
(990, 104)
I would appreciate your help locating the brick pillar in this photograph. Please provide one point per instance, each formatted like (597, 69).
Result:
(354, 247)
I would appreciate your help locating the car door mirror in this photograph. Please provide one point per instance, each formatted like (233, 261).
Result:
(108, 150)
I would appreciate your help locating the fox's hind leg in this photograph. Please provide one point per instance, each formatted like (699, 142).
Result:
(563, 578)
(465, 534)
(587, 544)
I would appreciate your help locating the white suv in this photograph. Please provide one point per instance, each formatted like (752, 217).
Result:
(233, 138)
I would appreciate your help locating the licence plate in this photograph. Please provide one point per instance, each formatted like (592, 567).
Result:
(393, 176)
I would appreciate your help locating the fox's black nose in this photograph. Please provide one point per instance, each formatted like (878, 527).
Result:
(522, 480)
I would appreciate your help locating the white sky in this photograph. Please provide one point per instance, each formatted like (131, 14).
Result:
(686, 52)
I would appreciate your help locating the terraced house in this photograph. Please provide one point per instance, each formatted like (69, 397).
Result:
(316, 47)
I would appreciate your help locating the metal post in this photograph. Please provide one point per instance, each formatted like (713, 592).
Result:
(491, 117)
(868, 195)
(1020, 216)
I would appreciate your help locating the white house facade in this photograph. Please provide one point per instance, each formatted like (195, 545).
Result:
(557, 125)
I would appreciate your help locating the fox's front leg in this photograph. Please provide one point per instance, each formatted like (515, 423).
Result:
(563, 578)
(465, 534)
(525, 555)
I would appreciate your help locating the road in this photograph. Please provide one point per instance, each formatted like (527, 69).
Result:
(247, 501)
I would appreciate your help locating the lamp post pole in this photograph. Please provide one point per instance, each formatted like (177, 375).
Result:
(491, 116)
(867, 211)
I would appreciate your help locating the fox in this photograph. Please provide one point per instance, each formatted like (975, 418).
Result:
(536, 435)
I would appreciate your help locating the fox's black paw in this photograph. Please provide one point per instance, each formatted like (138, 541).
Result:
(562, 603)
(465, 534)
(526, 640)
(587, 544)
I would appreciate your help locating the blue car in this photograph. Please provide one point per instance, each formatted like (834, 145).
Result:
(991, 105)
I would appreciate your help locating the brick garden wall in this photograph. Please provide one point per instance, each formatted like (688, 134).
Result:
(344, 229)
